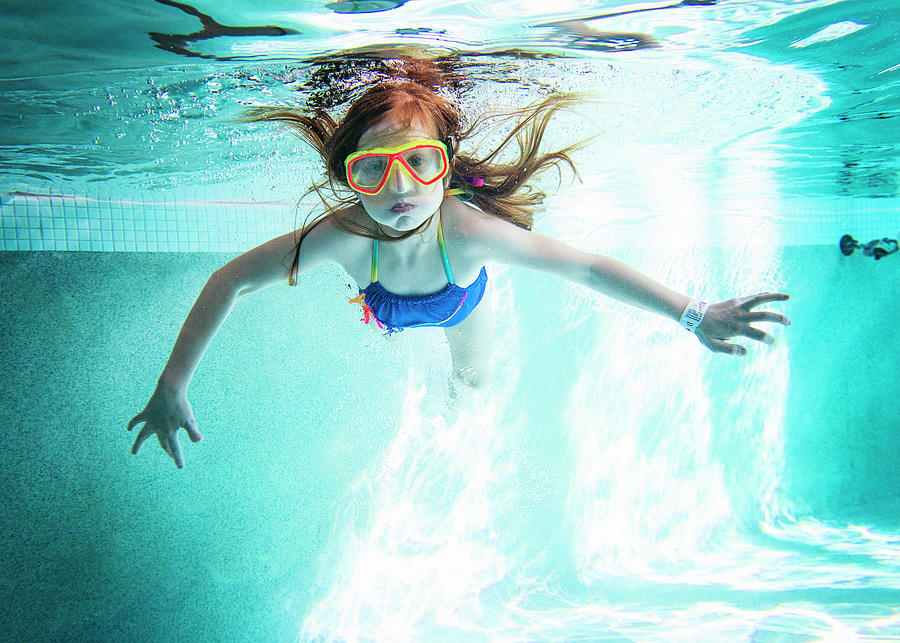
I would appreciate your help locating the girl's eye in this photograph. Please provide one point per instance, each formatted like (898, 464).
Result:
(424, 160)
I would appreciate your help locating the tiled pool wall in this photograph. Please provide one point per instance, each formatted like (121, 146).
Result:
(138, 223)
(146, 222)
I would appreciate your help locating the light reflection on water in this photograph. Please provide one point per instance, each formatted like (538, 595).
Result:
(109, 105)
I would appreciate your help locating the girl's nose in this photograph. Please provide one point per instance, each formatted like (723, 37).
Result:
(399, 181)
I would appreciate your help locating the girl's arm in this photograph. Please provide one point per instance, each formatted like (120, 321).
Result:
(499, 241)
(254, 270)
(168, 408)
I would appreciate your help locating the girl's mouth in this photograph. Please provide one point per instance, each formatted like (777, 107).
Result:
(402, 206)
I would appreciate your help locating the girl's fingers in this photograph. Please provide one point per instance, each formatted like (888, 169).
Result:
(767, 317)
(137, 419)
(758, 335)
(190, 425)
(736, 317)
(164, 443)
(718, 346)
(175, 450)
(765, 298)
(142, 435)
(168, 440)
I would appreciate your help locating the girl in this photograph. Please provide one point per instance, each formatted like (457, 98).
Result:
(416, 250)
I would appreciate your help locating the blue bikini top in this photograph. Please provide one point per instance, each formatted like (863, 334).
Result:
(446, 307)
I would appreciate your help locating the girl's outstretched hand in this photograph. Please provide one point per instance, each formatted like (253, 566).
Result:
(166, 412)
(732, 318)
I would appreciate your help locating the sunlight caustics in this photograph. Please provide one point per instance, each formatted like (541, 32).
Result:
(420, 536)
(652, 492)
(831, 32)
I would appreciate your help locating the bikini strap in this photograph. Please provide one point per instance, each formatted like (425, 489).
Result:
(374, 260)
(444, 252)
(441, 244)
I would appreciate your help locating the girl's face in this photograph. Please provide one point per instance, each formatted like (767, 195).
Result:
(403, 203)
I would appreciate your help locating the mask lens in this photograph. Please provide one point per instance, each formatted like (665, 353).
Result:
(426, 162)
(368, 171)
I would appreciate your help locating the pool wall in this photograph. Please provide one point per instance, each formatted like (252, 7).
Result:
(56, 219)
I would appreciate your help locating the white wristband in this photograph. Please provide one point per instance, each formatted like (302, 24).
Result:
(693, 315)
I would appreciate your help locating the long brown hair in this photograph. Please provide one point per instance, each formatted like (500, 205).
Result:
(498, 188)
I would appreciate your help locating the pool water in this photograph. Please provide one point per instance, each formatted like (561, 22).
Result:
(619, 482)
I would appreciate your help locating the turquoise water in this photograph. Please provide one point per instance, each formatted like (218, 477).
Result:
(619, 483)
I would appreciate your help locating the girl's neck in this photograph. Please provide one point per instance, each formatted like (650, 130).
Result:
(413, 243)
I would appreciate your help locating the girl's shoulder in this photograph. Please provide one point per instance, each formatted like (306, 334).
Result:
(325, 237)
(470, 231)
(463, 219)
(481, 237)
